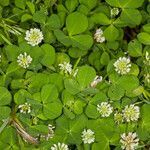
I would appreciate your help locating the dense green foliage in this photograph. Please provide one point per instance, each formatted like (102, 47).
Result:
(67, 100)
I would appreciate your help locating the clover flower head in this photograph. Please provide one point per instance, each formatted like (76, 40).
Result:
(147, 58)
(118, 117)
(66, 67)
(0, 58)
(25, 108)
(34, 36)
(105, 109)
(88, 136)
(24, 60)
(98, 36)
(129, 141)
(147, 78)
(114, 12)
(122, 65)
(60, 146)
(131, 113)
(50, 132)
(96, 80)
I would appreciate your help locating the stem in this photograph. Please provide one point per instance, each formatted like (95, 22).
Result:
(23, 133)
(76, 64)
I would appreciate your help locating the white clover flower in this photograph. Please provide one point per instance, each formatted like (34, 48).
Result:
(25, 108)
(60, 146)
(96, 80)
(104, 109)
(122, 65)
(66, 67)
(147, 78)
(98, 36)
(0, 58)
(118, 117)
(147, 59)
(50, 132)
(88, 136)
(114, 12)
(24, 60)
(34, 36)
(131, 113)
(130, 141)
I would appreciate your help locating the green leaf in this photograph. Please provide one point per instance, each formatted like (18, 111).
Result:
(39, 17)
(128, 82)
(4, 112)
(52, 110)
(21, 4)
(90, 4)
(36, 82)
(101, 19)
(111, 33)
(21, 96)
(104, 144)
(31, 7)
(57, 80)
(49, 55)
(85, 76)
(74, 25)
(91, 111)
(105, 58)
(135, 48)
(115, 92)
(5, 96)
(53, 22)
(62, 38)
(83, 42)
(26, 17)
(4, 3)
(72, 86)
(71, 5)
(12, 51)
(49, 93)
(145, 117)
(146, 28)
(78, 107)
(131, 16)
(125, 4)
(144, 38)
(75, 52)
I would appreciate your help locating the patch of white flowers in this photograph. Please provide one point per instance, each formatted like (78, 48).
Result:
(66, 67)
(96, 80)
(118, 118)
(131, 113)
(98, 36)
(122, 65)
(25, 108)
(60, 146)
(105, 109)
(34, 36)
(24, 60)
(129, 141)
(88, 136)
(114, 12)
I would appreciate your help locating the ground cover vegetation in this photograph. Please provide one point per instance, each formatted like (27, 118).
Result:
(74, 74)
